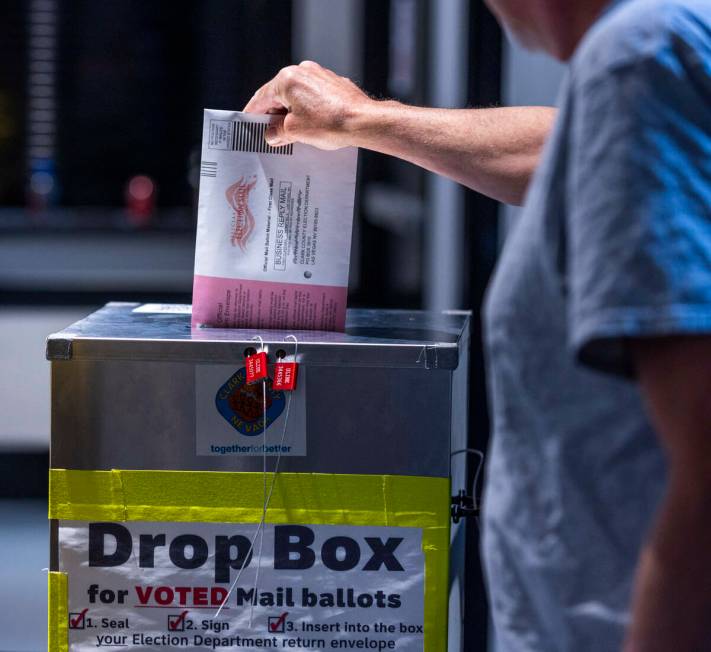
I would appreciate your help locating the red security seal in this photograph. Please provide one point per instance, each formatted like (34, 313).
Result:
(285, 375)
(256, 366)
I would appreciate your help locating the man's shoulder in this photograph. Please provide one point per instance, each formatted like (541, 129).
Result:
(633, 32)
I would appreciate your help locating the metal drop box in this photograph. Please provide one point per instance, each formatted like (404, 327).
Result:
(387, 397)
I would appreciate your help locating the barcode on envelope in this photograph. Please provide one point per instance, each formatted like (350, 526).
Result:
(208, 168)
(243, 137)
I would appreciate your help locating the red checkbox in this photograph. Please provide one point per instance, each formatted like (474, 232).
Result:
(78, 620)
(176, 622)
(276, 625)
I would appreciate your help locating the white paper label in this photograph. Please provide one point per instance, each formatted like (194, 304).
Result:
(144, 585)
(229, 414)
(164, 308)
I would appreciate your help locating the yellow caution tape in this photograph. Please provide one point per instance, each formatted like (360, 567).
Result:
(58, 616)
(298, 498)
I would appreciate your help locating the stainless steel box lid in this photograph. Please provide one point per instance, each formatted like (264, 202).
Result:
(380, 338)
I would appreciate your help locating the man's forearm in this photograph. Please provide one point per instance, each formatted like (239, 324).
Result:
(492, 151)
(672, 601)
(672, 605)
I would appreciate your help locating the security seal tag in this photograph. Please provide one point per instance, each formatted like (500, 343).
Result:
(256, 366)
(285, 375)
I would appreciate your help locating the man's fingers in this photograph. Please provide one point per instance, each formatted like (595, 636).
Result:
(310, 64)
(264, 101)
(258, 104)
(271, 98)
(312, 100)
(275, 135)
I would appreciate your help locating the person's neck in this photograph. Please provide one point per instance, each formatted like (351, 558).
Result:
(575, 23)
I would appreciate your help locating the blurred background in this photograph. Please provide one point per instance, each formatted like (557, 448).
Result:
(100, 125)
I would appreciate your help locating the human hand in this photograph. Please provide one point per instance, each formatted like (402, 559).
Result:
(320, 108)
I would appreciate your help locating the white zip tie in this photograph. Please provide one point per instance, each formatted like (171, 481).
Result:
(256, 338)
(264, 497)
(424, 357)
(260, 527)
(264, 490)
(268, 497)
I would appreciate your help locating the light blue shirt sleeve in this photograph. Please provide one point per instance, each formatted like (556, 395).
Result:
(638, 218)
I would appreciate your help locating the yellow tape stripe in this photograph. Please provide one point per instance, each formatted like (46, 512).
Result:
(307, 498)
(435, 544)
(58, 616)
(204, 496)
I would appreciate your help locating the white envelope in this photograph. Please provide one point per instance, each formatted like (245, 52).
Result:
(274, 229)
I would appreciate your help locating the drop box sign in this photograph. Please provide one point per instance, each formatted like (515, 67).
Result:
(152, 585)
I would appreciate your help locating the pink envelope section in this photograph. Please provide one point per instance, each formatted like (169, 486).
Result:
(239, 303)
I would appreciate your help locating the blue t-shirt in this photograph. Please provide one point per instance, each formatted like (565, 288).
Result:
(614, 242)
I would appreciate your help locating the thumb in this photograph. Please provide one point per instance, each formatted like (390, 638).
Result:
(274, 134)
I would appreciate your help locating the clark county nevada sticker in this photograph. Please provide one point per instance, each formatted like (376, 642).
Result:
(242, 405)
